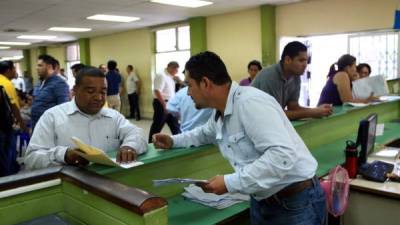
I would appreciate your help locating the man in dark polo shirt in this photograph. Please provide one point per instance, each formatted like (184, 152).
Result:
(282, 81)
(50, 91)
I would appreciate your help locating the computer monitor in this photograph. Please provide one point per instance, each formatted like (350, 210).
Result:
(366, 137)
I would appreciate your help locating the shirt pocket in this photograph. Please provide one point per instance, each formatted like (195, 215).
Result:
(113, 144)
(241, 147)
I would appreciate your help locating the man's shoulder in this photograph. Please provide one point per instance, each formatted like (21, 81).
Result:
(270, 72)
(59, 109)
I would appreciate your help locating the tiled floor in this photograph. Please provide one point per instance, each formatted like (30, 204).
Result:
(145, 124)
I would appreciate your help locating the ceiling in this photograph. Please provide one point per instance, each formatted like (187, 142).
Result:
(34, 17)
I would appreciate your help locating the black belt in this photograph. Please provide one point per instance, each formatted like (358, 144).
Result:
(291, 190)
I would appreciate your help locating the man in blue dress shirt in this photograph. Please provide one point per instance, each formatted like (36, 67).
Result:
(52, 90)
(271, 162)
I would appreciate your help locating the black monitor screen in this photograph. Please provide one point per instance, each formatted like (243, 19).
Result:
(366, 137)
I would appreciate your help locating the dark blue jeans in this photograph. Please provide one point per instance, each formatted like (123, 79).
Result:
(8, 153)
(306, 207)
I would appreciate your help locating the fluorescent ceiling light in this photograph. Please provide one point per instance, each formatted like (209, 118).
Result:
(13, 43)
(113, 18)
(4, 47)
(184, 3)
(70, 29)
(36, 37)
(17, 57)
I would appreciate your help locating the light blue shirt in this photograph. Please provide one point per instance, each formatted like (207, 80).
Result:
(259, 142)
(182, 106)
(107, 130)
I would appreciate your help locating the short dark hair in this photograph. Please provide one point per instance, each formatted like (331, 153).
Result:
(362, 65)
(77, 67)
(111, 65)
(292, 49)
(130, 67)
(173, 64)
(210, 65)
(48, 59)
(57, 62)
(88, 72)
(254, 63)
(5, 66)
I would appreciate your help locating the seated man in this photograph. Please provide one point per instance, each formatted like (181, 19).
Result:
(282, 81)
(85, 118)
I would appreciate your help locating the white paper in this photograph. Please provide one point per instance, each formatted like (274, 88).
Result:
(379, 129)
(356, 104)
(177, 181)
(362, 88)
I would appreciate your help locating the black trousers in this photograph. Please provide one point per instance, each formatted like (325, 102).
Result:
(134, 105)
(160, 118)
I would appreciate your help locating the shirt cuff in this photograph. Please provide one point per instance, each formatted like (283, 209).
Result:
(177, 141)
(232, 182)
(60, 154)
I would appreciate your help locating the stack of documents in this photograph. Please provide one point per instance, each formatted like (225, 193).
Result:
(196, 194)
(177, 181)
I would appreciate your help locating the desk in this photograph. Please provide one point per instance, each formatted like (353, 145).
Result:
(324, 137)
(79, 197)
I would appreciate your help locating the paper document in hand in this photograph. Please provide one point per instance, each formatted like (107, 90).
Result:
(362, 88)
(177, 181)
(95, 155)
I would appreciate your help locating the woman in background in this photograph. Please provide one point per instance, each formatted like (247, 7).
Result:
(337, 89)
(253, 68)
(364, 70)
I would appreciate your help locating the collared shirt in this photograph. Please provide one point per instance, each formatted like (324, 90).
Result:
(113, 81)
(10, 89)
(165, 84)
(131, 83)
(107, 130)
(48, 93)
(259, 142)
(19, 84)
(182, 106)
(272, 81)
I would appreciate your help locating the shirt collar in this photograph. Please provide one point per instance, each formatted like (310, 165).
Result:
(229, 102)
(73, 108)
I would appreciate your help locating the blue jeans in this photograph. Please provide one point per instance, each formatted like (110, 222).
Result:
(306, 207)
(8, 153)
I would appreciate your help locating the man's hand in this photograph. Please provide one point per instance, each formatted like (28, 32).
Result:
(215, 185)
(126, 155)
(323, 110)
(163, 141)
(72, 158)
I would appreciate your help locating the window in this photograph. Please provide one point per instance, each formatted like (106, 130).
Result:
(73, 57)
(172, 44)
(379, 50)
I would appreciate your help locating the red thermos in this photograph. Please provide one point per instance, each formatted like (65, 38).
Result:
(351, 158)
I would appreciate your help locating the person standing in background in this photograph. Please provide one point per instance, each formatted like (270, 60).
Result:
(52, 90)
(28, 80)
(114, 81)
(133, 91)
(164, 89)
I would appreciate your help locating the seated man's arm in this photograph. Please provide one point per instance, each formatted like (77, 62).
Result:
(131, 135)
(295, 111)
(42, 151)
(174, 104)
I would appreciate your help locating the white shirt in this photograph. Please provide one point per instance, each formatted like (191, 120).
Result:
(107, 130)
(131, 83)
(165, 84)
(19, 83)
(259, 142)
